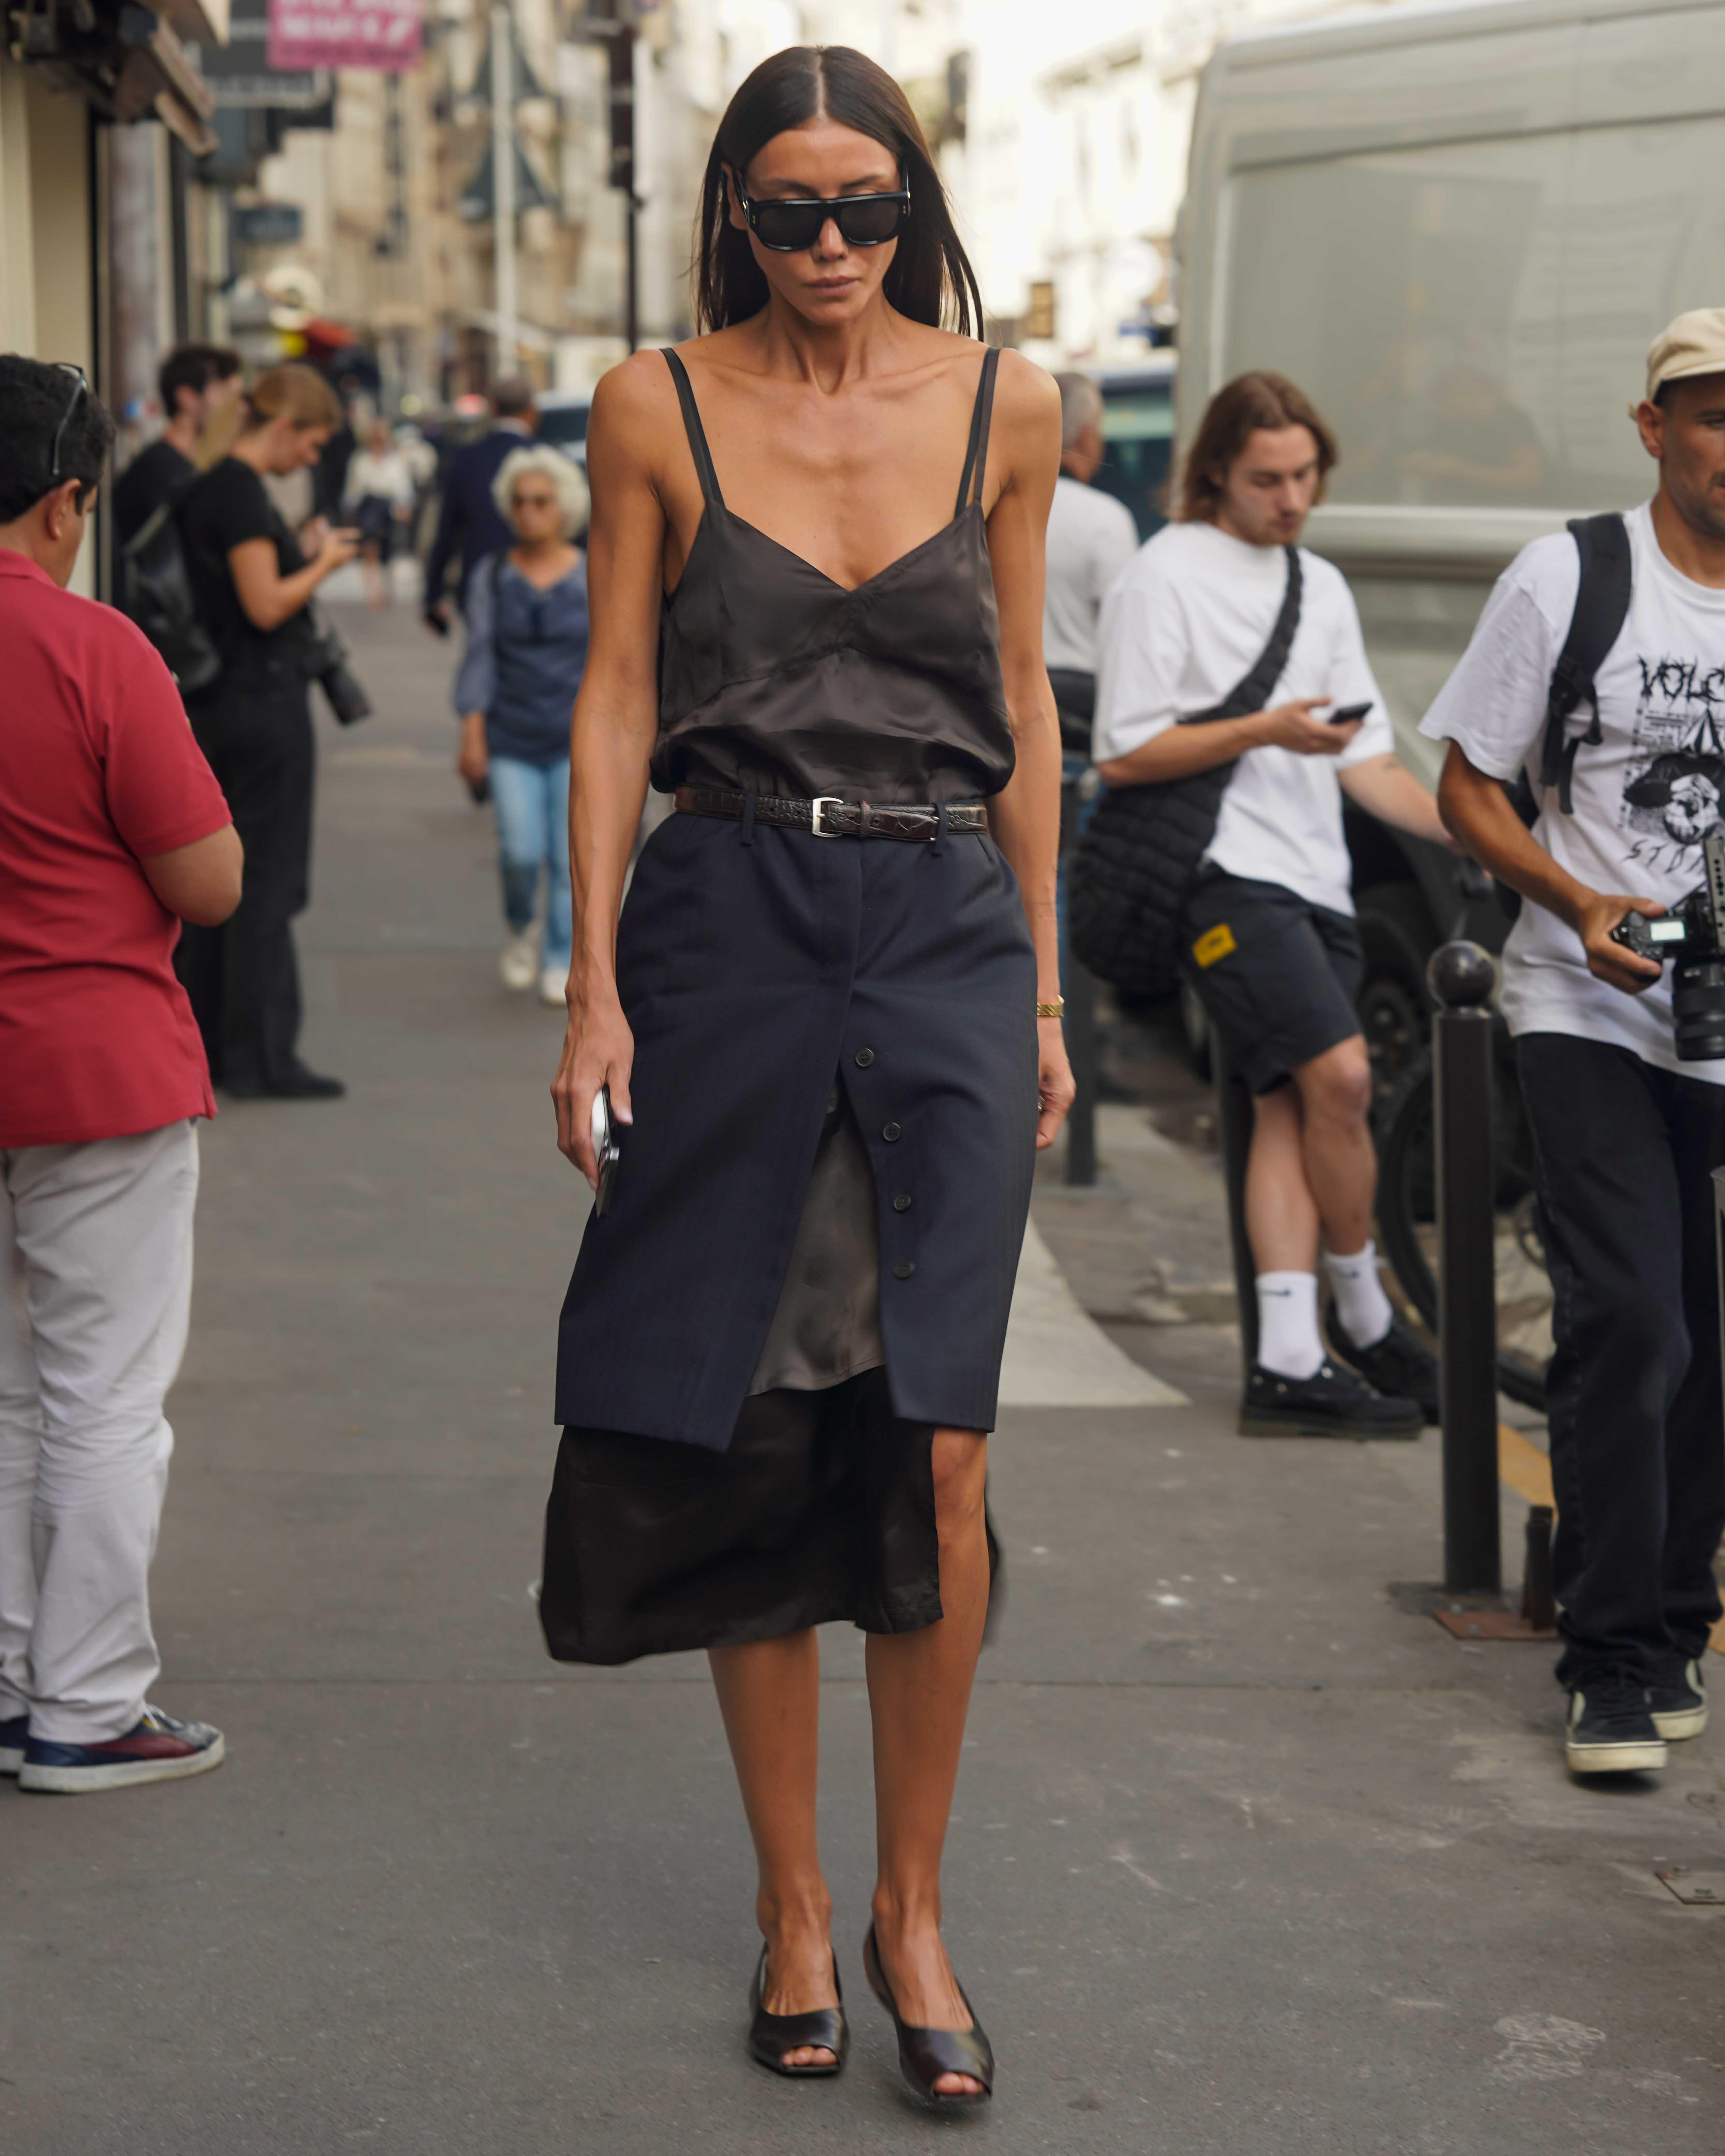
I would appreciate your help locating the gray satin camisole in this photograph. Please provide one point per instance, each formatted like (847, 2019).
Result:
(774, 677)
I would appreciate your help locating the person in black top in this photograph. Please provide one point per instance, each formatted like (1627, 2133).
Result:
(197, 381)
(469, 526)
(828, 1015)
(252, 581)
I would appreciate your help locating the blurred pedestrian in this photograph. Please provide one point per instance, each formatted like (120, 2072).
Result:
(468, 524)
(1091, 538)
(253, 584)
(197, 383)
(112, 831)
(378, 503)
(818, 1018)
(527, 649)
(1235, 710)
(1597, 665)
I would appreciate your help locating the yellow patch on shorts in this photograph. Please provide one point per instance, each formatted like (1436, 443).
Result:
(1215, 943)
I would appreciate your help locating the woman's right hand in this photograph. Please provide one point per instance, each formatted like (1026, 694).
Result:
(339, 547)
(598, 1049)
(473, 758)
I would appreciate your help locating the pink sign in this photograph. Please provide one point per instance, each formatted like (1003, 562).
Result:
(383, 35)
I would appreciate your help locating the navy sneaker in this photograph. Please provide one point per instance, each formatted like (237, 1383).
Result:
(1611, 1729)
(1675, 1698)
(1396, 1365)
(12, 1735)
(158, 1749)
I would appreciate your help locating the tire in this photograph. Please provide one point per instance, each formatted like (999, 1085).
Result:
(1398, 937)
(1407, 1214)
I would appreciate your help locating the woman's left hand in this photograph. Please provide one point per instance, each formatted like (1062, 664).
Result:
(1054, 1083)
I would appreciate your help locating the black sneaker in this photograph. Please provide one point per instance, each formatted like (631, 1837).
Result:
(299, 1084)
(1675, 1700)
(1611, 1729)
(1331, 1403)
(1396, 1364)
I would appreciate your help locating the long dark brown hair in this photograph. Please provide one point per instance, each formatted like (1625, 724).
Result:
(930, 278)
(1233, 415)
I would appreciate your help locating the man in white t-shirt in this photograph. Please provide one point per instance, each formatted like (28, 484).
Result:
(1268, 938)
(1091, 538)
(1628, 1132)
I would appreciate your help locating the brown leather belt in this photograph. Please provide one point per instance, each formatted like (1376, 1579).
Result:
(829, 818)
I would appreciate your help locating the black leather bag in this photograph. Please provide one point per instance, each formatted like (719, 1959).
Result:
(1130, 873)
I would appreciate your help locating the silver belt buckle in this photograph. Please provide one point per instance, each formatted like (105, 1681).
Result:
(824, 801)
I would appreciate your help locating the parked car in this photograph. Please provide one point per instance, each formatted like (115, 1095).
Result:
(562, 421)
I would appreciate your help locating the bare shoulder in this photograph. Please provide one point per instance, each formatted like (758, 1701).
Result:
(1026, 399)
(633, 396)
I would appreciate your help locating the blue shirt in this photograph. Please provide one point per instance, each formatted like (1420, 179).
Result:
(526, 651)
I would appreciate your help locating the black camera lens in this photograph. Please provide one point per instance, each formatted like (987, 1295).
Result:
(1699, 1009)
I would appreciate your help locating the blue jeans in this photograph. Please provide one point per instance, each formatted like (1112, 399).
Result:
(532, 805)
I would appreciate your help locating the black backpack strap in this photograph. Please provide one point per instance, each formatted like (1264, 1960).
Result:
(1602, 605)
(1252, 690)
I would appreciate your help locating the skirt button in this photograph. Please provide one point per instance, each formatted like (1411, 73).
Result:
(865, 1057)
(904, 1269)
(901, 1204)
(890, 1133)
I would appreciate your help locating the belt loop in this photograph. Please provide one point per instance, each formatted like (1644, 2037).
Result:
(940, 827)
(749, 816)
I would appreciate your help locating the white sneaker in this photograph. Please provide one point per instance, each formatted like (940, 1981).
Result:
(553, 982)
(520, 961)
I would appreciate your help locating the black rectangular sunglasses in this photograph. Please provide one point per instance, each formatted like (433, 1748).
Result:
(788, 227)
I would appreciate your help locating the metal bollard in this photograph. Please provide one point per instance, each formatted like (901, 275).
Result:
(1233, 1130)
(1461, 976)
(1078, 986)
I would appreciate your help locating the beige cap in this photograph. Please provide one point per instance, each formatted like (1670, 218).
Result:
(1693, 344)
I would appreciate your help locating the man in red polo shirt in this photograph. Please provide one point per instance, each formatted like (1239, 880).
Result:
(112, 832)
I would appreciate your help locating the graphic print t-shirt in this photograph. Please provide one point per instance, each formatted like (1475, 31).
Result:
(1645, 797)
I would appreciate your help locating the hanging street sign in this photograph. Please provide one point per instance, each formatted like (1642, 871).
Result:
(479, 198)
(380, 35)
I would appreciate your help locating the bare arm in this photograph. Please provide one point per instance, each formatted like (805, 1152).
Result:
(615, 722)
(1478, 811)
(267, 598)
(200, 882)
(1178, 752)
(1025, 814)
(1388, 791)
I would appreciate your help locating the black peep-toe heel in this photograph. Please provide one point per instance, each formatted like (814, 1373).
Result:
(771, 2035)
(924, 2054)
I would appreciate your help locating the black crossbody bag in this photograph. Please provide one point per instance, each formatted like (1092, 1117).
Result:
(1129, 876)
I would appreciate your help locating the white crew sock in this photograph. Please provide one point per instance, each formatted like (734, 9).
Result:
(1288, 1338)
(1361, 1303)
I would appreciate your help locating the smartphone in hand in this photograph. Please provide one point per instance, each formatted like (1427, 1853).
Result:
(1348, 714)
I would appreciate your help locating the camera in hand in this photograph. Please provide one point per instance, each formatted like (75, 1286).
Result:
(1692, 937)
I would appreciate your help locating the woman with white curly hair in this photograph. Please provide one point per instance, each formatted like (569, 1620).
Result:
(526, 649)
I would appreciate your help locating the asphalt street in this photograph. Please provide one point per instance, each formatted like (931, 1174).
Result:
(1248, 1855)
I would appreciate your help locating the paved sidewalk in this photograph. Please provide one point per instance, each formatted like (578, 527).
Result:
(1245, 1859)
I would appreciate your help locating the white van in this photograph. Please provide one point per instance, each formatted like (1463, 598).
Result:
(1457, 228)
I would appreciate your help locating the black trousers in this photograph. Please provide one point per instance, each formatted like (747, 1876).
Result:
(1626, 1153)
(243, 978)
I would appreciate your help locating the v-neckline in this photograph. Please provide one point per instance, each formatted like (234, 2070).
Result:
(790, 553)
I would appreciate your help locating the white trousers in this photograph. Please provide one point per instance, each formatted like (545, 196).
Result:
(95, 1292)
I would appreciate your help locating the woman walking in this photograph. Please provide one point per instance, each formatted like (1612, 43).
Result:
(833, 1007)
(252, 583)
(526, 647)
(377, 499)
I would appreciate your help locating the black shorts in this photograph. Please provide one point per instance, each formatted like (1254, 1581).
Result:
(1277, 974)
